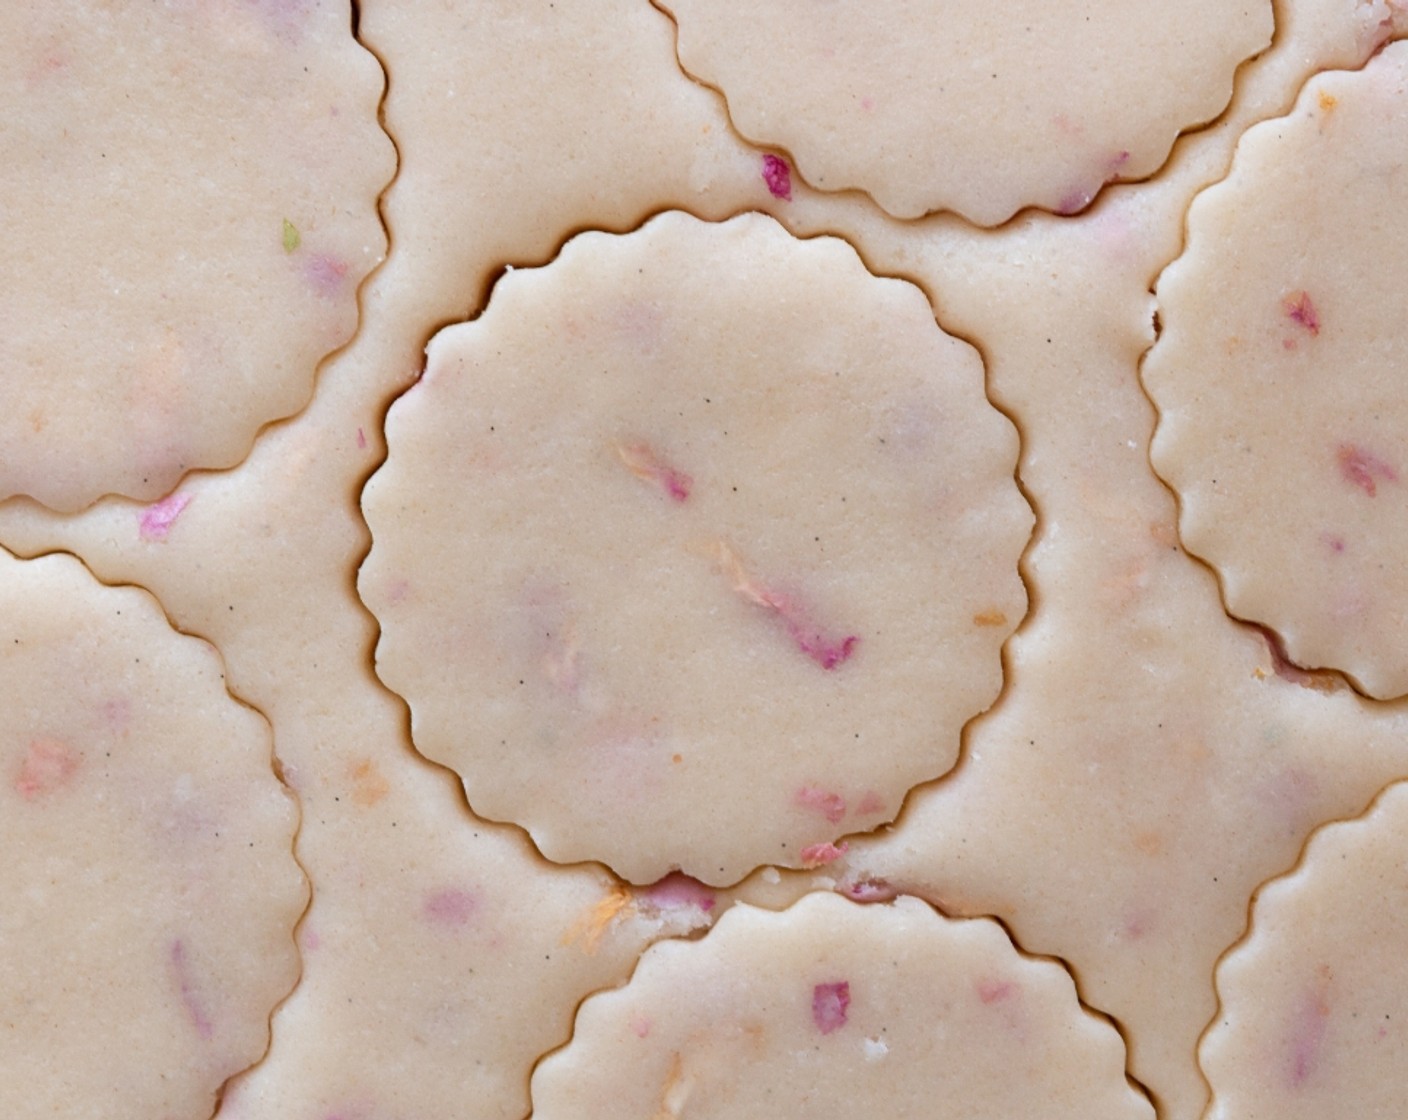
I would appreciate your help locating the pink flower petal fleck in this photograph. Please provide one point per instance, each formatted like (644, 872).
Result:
(678, 890)
(830, 1003)
(1299, 309)
(830, 805)
(157, 519)
(995, 991)
(1362, 468)
(325, 274)
(642, 461)
(48, 765)
(1308, 1032)
(869, 889)
(826, 652)
(778, 176)
(1074, 201)
(819, 855)
(449, 907)
(190, 998)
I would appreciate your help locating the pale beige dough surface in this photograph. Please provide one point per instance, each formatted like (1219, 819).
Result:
(1314, 1018)
(1084, 800)
(965, 105)
(189, 207)
(1279, 376)
(521, 122)
(611, 133)
(1120, 809)
(440, 956)
(370, 1030)
(696, 550)
(149, 887)
(831, 1009)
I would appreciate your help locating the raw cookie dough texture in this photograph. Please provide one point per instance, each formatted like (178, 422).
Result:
(1279, 376)
(967, 105)
(148, 893)
(692, 463)
(832, 1009)
(189, 207)
(1314, 1016)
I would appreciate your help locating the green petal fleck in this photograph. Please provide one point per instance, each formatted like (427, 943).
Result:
(292, 238)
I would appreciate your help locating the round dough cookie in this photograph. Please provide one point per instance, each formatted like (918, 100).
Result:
(833, 1009)
(1279, 376)
(696, 550)
(190, 198)
(1314, 1016)
(966, 105)
(150, 887)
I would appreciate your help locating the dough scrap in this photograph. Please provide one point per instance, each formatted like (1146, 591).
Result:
(190, 193)
(965, 105)
(1314, 1016)
(149, 847)
(1279, 376)
(832, 1009)
(690, 462)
